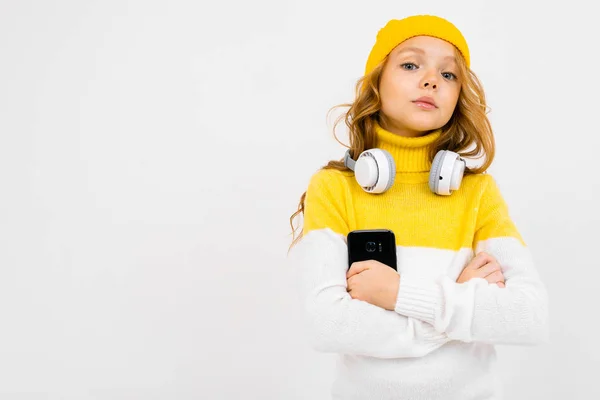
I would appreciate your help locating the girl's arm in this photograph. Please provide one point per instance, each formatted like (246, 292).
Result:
(475, 310)
(338, 323)
(335, 321)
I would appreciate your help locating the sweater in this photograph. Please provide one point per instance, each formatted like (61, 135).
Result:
(439, 342)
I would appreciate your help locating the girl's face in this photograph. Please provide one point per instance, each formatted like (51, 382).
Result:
(422, 66)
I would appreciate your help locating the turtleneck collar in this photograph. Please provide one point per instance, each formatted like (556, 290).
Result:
(411, 154)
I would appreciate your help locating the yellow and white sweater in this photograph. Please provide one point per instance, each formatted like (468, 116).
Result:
(439, 341)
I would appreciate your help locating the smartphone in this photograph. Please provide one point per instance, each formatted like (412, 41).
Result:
(372, 244)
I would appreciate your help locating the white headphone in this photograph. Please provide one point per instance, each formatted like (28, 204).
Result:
(375, 171)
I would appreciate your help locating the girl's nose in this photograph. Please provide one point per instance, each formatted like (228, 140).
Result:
(430, 79)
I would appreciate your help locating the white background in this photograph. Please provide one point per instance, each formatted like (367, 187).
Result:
(152, 153)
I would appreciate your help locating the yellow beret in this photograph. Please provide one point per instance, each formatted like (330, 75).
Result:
(397, 31)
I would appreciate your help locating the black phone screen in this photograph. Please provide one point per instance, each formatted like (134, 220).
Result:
(372, 244)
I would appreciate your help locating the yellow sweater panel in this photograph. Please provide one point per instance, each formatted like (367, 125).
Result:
(476, 211)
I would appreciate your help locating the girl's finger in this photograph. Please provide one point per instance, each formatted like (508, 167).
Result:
(479, 261)
(349, 282)
(487, 269)
(357, 267)
(495, 277)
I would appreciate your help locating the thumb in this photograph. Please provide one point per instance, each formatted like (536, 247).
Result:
(356, 268)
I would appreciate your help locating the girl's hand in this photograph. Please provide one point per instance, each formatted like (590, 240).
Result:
(483, 266)
(373, 282)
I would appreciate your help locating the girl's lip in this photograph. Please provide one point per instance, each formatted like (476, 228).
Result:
(425, 105)
(426, 99)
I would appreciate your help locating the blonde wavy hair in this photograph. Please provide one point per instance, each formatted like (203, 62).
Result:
(469, 124)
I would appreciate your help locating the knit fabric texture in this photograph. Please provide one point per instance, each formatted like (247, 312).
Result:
(439, 342)
(397, 31)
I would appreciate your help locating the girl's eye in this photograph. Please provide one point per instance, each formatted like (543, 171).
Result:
(405, 64)
(452, 76)
(447, 75)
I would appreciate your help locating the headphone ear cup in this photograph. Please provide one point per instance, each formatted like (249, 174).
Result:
(446, 173)
(391, 169)
(375, 170)
(436, 171)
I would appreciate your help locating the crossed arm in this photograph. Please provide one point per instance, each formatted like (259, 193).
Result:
(429, 312)
(338, 323)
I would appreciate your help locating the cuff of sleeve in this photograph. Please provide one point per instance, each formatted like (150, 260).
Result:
(429, 334)
(419, 298)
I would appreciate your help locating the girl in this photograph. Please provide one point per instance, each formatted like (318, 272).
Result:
(465, 279)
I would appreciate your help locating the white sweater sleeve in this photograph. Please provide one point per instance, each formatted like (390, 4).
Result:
(338, 323)
(476, 310)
